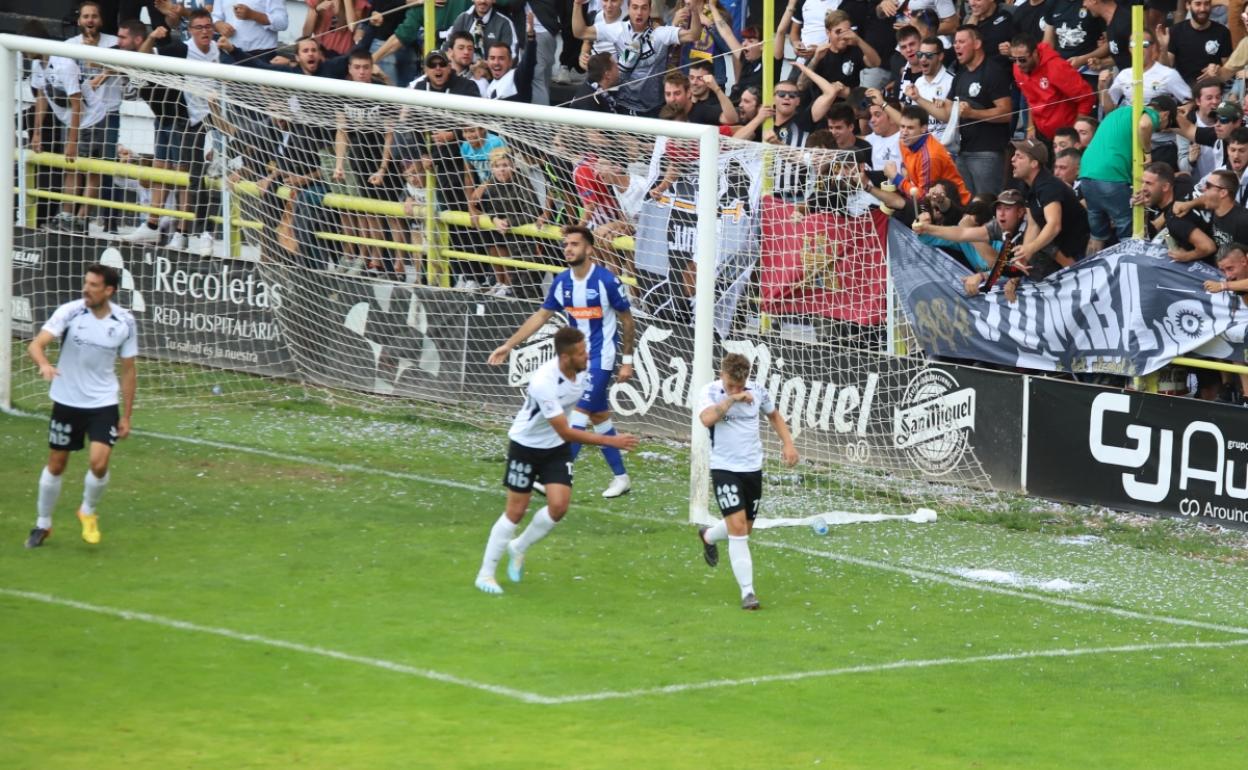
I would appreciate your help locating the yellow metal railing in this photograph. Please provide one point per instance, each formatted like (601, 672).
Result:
(434, 246)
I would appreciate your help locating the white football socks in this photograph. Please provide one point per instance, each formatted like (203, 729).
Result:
(49, 491)
(716, 532)
(742, 563)
(500, 534)
(538, 528)
(92, 490)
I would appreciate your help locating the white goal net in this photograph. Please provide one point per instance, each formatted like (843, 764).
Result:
(287, 236)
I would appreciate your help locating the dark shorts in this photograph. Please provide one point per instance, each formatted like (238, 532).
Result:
(170, 137)
(594, 399)
(70, 425)
(738, 491)
(526, 465)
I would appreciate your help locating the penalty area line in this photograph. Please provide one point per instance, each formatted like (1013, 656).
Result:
(281, 644)
(676, 689)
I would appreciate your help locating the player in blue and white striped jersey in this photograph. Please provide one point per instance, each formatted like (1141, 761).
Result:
(729, 407)
(93, 333)
(593, 300)
(539, 449)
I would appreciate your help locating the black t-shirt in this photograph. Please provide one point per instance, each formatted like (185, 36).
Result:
(980, 88)
(995, 30)
(706, 112)
(1232, 227)
(1119, 35)
(1194, 49)
(589, 97)
(844, 67)
(1029, 19)
(878, 33)
(1072, 238)
(1076, 31)
(790, 173)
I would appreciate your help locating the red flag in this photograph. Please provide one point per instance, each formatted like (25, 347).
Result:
(823, 264)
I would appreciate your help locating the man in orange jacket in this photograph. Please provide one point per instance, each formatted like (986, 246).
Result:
(924, 158)
(1055, 91)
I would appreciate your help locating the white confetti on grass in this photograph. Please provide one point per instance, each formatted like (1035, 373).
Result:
(1001, 577)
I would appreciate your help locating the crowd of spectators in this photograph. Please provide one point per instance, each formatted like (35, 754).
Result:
(974, 122)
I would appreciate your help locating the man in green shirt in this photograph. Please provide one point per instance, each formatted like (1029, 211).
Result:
(1105, 173)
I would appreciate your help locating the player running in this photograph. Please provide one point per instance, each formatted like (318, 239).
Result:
(540, 448)
(729, 408)
(593, 300)
(93, 333)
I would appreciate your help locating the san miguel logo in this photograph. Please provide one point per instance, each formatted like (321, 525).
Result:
(525, 359)
(934, 421)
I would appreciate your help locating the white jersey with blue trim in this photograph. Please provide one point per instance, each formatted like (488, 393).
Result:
(548, 395)
(591, 305)
(736, 443)
(90, 347)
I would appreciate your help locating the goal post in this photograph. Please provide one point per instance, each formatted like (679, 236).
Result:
(199, 77)
(332, 282)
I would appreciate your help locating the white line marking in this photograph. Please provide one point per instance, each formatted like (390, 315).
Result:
(239, 636)
(529, 697)
(940, 577)
(932, 575)
(901, 664)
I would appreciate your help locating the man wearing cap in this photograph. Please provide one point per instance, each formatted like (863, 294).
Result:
(980, 244)
(1106, 171)
(1057, 226)
(1227, 117)
(440, 79)
(1055, 91)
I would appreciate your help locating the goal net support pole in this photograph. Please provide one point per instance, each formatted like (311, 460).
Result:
(8, 214)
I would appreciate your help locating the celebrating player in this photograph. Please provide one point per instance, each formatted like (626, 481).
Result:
(593, 300)
(540, 449)
(93, 333)
(729, 407)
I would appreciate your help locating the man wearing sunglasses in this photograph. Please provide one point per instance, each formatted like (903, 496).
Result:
(1229, 219)
(1054, 90)
(1158, 79)
(934, 81)
(1226, 118)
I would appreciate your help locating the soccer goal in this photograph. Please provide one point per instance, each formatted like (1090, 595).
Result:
(283, 236)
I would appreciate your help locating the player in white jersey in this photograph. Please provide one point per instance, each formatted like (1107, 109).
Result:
(539, 449)
(93, 333)
(729, 408)
(593, 300)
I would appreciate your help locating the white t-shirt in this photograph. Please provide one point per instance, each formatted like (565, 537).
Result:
(884, 149)
(548, 395)
(642, 57)
(813, 14)
(1158, 79)
(90, 347)
(935, 90)
(735, 441)
(59, 79)
(112, 89)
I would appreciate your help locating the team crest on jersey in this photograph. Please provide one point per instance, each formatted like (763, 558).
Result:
(1044, 84)
(591, 294)
(1211, 47)
(1083, 13)
(974, 89)
(1113, 47)
(847, 68)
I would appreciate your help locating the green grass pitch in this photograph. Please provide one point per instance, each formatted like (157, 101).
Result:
(290, 587)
